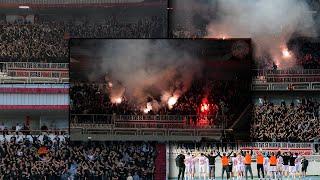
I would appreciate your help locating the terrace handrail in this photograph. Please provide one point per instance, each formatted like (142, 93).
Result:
(263, 72)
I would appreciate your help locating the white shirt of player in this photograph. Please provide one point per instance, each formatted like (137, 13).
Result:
(203, 160)
(298, 160)
(279, 161)
(240, 160)
(266, 162)
(235, 161)
(194, 161)
(188, 160)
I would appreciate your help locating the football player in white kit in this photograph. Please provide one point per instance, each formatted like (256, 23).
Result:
(193, 166)
(239, 165)
(203, 166)
(292, 168)
(298, 164)
(188, 161)
(266, 164)
(279, 165)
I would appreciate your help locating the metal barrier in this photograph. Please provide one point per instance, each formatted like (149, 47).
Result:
(30, 80)
(137, 134)
(261, 72)
(144, 121)
(269, 86)
(36, 132)
(68, 1)
(34, 86)
(283, 76)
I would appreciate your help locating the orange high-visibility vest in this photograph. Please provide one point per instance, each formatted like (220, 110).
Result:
(273, 161)
(225, 161)
(259, 159)
(247, 159)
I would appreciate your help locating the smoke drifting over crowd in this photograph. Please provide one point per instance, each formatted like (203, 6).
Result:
(270, 24)
(149, 73)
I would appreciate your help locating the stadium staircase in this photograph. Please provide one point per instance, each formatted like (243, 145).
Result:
(160, 169)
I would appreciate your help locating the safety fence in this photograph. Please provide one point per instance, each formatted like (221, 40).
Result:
(68, 1)
(147, 121)
(290, 75)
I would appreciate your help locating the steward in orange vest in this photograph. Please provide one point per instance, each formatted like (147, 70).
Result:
(225, 163)
(260, 160)
(247, 162)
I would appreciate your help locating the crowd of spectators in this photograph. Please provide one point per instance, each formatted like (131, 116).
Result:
(46, 39)
(309, 54)
(221, 97)
(56, 159)
(282, 122)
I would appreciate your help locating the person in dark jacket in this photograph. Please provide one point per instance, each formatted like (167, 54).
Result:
(180, 164)
(212, 164)
(305, 164)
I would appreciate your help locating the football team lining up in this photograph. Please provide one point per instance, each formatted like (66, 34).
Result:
(237, 165)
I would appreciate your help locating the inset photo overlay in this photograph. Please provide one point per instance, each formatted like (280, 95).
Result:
(159, 90)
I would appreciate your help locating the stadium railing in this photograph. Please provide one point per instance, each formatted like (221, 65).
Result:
(142, 121)
(141, 127)
(142, 134)
(68, 1)
(79, 3)
(61, 131)
(261, 72)
(284, 80)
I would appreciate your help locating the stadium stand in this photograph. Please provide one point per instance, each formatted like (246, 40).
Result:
(184, 120)
(57, 158)
(281, 121)
(41, 32)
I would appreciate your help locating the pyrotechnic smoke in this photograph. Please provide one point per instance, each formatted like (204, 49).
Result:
(270, 24)
(148, 69)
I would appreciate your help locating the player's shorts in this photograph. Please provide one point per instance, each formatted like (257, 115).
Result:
(286, 168)
(189, 169)
(280, 167)
(239, 168)
(304, 169)
(230, 168)
(234, 168)
(292, 169)
(193, 169)
(272, 168)
(203, 168)
(298, 167)
(266, 168)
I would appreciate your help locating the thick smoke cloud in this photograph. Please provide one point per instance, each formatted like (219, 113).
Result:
(270, 23)
(147, 69)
